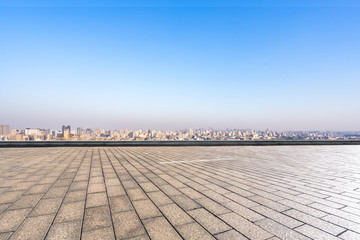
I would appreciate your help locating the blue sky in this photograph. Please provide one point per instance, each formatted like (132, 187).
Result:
(284, 65)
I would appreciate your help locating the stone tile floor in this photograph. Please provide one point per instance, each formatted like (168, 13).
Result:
(274, 192)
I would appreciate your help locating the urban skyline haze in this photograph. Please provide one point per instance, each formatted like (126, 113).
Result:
(154, 65)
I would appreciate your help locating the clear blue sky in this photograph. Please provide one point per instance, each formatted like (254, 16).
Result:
(283, 65)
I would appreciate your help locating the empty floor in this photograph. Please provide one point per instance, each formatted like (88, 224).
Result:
(273, 192)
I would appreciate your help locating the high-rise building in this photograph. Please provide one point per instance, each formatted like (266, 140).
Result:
(89, 131)
(4, 129)
(79, 131)
(66, 127)
(66, 133)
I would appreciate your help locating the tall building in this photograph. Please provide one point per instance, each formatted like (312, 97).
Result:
(4, 129)
(89, 131)
(79, 131)
(66, 133)
(66, 127)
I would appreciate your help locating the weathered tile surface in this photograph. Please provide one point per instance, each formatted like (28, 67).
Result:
(273, 192)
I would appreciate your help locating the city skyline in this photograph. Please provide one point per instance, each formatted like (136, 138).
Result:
(58, 127)
(153, 64)
(73, 127)
(198, 134)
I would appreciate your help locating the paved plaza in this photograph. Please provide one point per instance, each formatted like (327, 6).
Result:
(243, 192)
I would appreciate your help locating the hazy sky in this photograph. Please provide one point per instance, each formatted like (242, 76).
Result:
(179, 64)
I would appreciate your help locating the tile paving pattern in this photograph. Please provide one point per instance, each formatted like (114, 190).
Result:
(274, 192)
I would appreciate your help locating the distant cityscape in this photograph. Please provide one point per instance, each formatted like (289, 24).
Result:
(67, 133)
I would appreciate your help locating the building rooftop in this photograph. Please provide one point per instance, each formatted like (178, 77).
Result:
(228, 192)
